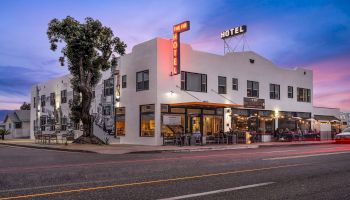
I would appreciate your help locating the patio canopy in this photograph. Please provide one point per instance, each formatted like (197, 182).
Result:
(326, 118)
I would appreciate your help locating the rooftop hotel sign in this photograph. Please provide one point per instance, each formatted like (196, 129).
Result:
(234, 32)
(177, 29)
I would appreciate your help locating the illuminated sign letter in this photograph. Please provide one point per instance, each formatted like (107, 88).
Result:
(177, 29)
(233, 32)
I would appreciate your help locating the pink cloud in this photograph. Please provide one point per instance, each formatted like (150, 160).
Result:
(331, 82)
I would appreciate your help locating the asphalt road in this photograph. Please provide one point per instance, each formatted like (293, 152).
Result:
(295, 172)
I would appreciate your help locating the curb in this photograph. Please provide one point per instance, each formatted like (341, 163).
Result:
(295, 144)
(170, 150)
(48, 148)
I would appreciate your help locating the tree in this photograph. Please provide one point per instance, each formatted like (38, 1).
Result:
(89, 48)
(25, 106)
(4, 132)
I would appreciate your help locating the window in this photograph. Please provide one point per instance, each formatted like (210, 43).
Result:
(252, 89)
(274, 91)
(193, 82)
(290, 92)
(108, 87)
(142, 80)
(107, 110)
(52, 99)
(304, 95)
(42, 123)
(34, 102)
(147, 125)
(43, 100)
(63, 96)
(10, 125)
(120, 121)
(222, 85)
(18, 125)
(64, 123)
(234, 84)
(124, 81)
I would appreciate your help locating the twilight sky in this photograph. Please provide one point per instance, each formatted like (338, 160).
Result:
(313, 33)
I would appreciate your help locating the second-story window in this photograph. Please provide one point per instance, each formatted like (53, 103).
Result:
(304, 95)
(234, 84)
(142, 80)
(222, 85)
(64, 96)
(274, 91)
(43, 100)
(193, 82)
(124, 81)
(252, 89)
(290, 92)
(52, 99)
(108, 87)
(107, 110)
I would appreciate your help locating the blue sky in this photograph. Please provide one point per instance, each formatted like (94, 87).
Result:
(312, 34)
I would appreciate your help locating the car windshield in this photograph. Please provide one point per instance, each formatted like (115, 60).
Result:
(346, 130)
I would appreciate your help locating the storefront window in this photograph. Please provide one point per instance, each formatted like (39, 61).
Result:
(147, 124)
(120, 121)
(212, 125)
(172, 124)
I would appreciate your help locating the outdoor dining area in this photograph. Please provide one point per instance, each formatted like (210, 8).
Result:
(53, 137)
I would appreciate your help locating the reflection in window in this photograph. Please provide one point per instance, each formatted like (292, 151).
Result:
(147, 124)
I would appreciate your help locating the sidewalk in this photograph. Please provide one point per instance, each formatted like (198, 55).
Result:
(127, 148)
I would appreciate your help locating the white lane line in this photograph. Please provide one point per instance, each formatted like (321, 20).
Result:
(305, 156)
(218, 191)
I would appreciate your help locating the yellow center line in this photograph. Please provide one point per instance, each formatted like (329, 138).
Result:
(147, 182)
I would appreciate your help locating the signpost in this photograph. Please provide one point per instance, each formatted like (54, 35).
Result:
(177, 29)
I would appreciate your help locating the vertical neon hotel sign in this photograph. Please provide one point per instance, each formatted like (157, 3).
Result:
(177, 29)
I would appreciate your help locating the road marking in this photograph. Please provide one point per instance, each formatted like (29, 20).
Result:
(305, 156)
(218, 191)
(148, 182)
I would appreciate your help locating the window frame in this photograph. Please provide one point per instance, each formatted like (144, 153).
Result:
(222, 86)
(124, 81)
(253, 83)
(203, 77)
(108, 87)
(235, 84)
(305, 96)
(142, 81)
(290, 93)
(63, 96)
(274, 93)
(140, 119)
(43, 100)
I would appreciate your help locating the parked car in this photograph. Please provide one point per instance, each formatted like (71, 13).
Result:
(343, 137)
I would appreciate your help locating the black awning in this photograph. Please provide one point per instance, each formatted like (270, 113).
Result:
(325, 117)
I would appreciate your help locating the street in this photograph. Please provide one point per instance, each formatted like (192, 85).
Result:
(289, 172)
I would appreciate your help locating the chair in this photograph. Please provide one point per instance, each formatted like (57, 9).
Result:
(38, 136)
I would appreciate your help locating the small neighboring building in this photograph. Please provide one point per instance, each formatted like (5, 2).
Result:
(18, 123)
(2, 125)
(345, 119)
